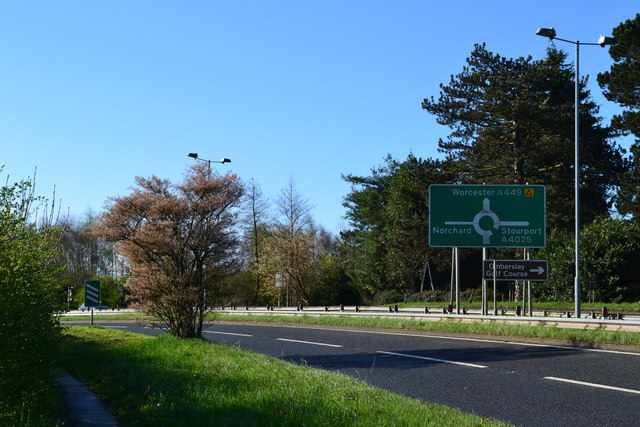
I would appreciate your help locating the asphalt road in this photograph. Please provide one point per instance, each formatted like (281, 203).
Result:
(528, 384)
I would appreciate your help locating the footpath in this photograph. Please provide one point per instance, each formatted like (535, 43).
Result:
(81, 406)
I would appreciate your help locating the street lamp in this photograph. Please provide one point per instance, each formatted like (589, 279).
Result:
(602, 42)
(222, 160)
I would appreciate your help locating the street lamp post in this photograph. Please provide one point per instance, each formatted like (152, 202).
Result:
(222, 160)
(602, 41)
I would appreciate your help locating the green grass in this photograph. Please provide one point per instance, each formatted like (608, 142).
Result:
(625, 307)
(39, 410)
(99, 316)
(164, 381)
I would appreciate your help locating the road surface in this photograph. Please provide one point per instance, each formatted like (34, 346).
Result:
(523, 383)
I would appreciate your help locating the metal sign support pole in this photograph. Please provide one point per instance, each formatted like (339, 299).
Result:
(457, 282)
(495, 289)
(485, 308)
(528, 252)
(453, 274)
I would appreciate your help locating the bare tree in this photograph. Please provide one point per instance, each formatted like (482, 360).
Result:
(255, 225)
(179, 241)
(292, 242)
(84, 254)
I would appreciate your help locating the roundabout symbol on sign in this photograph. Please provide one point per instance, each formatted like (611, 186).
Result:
(486, 212)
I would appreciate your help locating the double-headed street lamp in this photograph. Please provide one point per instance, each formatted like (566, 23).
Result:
(222, 160)
(602, 41)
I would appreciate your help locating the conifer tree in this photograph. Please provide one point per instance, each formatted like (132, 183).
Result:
(621, 84)
(512, 122)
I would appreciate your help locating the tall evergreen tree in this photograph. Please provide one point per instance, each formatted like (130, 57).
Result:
(512, 122)
(388, 212)
(364, 242)
(621, 84)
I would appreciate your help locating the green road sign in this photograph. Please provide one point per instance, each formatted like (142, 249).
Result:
(92, 293)
(491, 216)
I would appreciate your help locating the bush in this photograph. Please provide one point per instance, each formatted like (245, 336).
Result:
(387, 297)
(29, 331)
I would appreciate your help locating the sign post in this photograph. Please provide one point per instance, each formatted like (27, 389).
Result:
(92, 295)
(488, 216)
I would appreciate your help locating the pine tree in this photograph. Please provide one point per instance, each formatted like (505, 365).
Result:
(621, 84)
(512, 122)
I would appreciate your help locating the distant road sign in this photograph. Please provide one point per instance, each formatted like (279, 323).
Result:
(497, 216)
(535, 270)
(92, 293)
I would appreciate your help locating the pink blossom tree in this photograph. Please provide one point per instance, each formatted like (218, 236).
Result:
(179, 240)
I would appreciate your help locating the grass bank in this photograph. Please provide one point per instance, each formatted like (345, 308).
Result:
(162, 381)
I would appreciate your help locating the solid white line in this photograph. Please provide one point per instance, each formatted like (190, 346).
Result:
(118, 327)
(608, 387)
(470, 365)
(310, 342)
(227, 333)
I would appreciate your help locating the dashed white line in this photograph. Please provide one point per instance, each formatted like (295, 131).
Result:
(608, 387)
(490, 341)
(227, 333)
(432, 359)
(310, 342)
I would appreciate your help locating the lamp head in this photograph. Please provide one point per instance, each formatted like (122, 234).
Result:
(605, 41)
(225, 160)
(194, 155)
(547, 32)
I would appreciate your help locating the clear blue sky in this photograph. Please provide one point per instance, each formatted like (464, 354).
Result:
(95, 93)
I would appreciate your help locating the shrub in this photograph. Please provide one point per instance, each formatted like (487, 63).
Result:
(29, 331)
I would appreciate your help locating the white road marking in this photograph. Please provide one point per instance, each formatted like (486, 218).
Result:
(470, 365)
(227, 333)
(608, 387)
(310, 342)
(118, 327)
(490, 341)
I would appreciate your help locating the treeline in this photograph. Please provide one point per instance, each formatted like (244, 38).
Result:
(511, 121)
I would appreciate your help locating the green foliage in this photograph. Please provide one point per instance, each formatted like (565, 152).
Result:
(29, 332)
(388, 213)
(512, 121)
(333, 285)
(628, 200)
(621, 84)
(609, 249)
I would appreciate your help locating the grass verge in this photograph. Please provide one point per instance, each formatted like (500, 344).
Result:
(625, 307)
(42, 409)
(587, 337)
(162, 381)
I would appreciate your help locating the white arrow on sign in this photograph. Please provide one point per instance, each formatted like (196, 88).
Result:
(538, 270)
